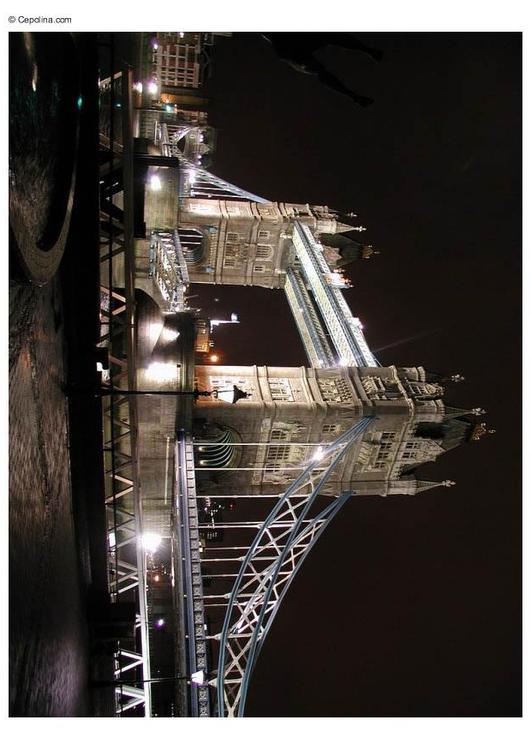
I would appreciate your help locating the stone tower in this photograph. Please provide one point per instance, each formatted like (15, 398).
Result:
(246, 243)
(290, 411)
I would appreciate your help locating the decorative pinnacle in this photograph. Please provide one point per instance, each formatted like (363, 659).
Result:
(448, 483)
(478, 411)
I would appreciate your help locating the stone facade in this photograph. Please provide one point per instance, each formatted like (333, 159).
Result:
(247, 243)
(289, 407)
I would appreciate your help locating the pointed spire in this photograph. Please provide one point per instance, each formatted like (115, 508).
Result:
(480, 430)
(450, 412)
(422, 485)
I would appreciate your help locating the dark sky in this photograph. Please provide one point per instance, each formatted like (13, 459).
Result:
(408, 606)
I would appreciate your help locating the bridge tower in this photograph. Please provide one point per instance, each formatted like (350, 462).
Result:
(291, 411)
(247, 243)
(302, 442)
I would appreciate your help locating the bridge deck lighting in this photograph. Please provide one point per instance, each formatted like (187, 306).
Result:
(155, 182)
(162, 371)
(198, 678)
(151, 541)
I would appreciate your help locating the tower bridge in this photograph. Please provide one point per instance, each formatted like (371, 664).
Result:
(246, 467)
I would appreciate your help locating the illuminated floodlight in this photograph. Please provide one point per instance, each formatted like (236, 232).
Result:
(155, 182)
(152, 87)
(162, 371)
(198, 678)
(151, 541)
(138, 87)
(155, 329)
(168, 335)
(319, 453)
(112, 540)
(160, 622)
(230, 396)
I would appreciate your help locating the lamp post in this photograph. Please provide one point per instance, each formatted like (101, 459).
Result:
(200, 678)
(230, 396)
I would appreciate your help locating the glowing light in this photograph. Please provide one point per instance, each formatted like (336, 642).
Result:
(79, 102)
(155, 182)
(198, 678)
(319, 453)
(152, 87)
(112, 539)
(156, 578)
(168, 335)
(214, 358)
(138, 87)
(155, 45)
(162, 371)
(160, 623)
(151, 541)
(155, 330)
(34, 78)
(181, 34)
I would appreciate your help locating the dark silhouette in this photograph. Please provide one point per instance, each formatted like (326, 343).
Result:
(298, 50)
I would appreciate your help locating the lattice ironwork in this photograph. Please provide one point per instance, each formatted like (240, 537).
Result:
(267, 568)
(123, 511)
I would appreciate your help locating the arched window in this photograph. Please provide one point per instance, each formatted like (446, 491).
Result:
(193, 244)
(264, 252)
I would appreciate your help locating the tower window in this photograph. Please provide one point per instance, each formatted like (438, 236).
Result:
(263, 234)
(264, 252)
(259, 268)
(330, 429)
(280, 389)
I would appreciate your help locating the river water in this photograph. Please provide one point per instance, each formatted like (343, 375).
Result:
(48, 637)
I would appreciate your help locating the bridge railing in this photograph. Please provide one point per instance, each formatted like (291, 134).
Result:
(126, 562)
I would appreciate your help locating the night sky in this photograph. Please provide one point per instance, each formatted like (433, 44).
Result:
(408, 606)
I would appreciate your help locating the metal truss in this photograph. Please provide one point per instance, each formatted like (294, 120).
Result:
(345, 330)
(196, 181)
(167, 266)
(189, 580)
(267, 569)
(123, 510)
(312, 332)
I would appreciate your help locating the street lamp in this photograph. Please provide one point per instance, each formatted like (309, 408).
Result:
(230, 395)
(199, 678)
